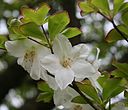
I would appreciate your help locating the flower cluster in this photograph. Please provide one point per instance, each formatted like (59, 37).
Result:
(66, 64)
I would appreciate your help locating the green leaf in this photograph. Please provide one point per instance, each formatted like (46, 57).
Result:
(71, 32)
(89, 90)
(123, 7)
(45, 97)
(86, 7)
(118, 73)
(117, 5)
(43, 86)
(57, 22)
(123, 67)
(16, 36)
(32, 29)
(3, 39)
(102, 5)
(125, 18)
(103, 78)
(114, 36)
(112, 87)
(36, 16)
(79, 100)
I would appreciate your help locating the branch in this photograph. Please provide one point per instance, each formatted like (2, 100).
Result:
(119, 30)
(74, 86)
(47, 38)
(114, 25)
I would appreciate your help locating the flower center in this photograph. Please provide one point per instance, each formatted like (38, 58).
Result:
(29, 58)
(67, 62)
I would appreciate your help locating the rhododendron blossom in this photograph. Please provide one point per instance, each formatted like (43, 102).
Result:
(29, 54)
(68, 63)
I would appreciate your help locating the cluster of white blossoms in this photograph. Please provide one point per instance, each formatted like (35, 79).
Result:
(66, 63)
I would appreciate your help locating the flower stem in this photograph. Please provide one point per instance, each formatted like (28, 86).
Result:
(114, 25)
(47, 38)
(74, 86)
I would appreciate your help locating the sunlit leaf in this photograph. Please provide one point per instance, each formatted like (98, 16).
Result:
(36, 16)
(57, 22)
(32, 29)
(71, 32)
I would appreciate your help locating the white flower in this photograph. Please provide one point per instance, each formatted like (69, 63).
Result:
(96, 65)
(67, 62)
(64, 97)
(29, 54)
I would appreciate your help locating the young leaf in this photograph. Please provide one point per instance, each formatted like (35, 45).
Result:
(89, 90)
(45, 97)
(36, 16)
(71, 32)
(79, 100)
(123, 67)
(32, 29)
(43, 86)
(56, 23)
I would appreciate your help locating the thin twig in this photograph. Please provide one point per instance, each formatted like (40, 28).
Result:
(47, 38)
(36, 41)
(119, 30)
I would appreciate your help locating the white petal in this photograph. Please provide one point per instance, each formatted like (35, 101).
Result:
(82, 69)
(62, 97)
(81, 51)
(42, 51)
(51, 63)
(51, 82)
(64, 77)
(62, 47)
(94, 81)
(15, 48)
(36, 70)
